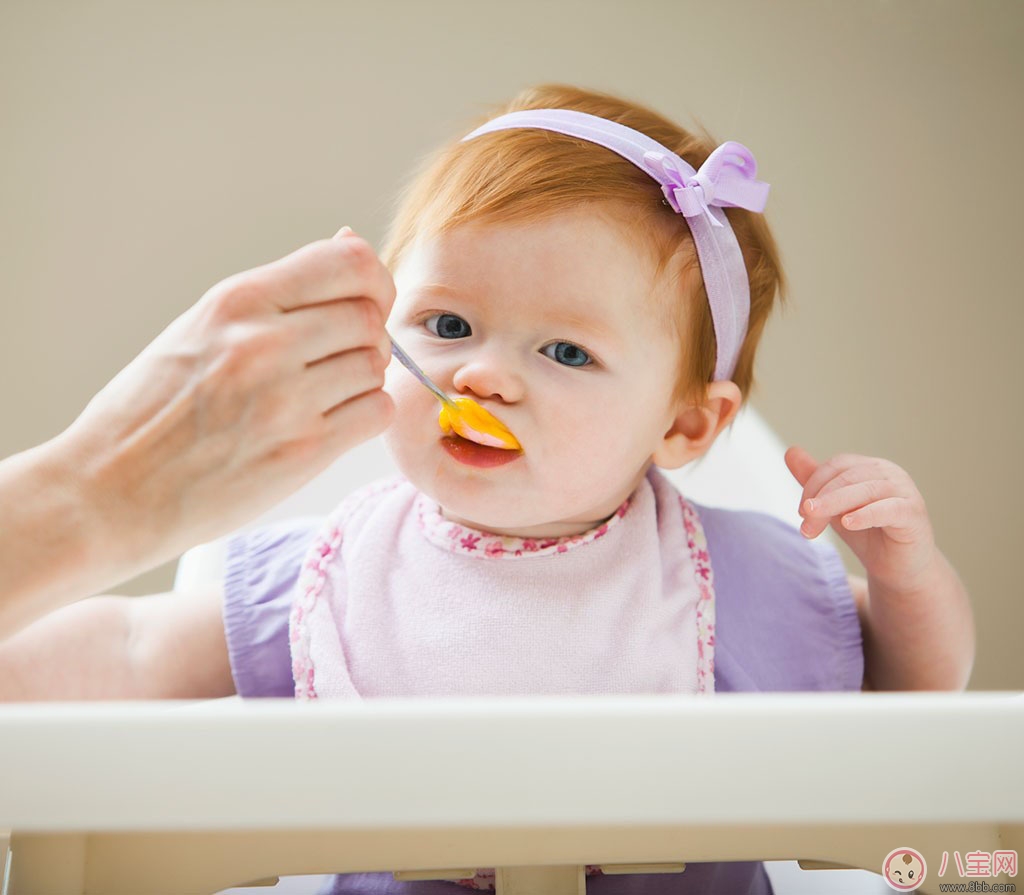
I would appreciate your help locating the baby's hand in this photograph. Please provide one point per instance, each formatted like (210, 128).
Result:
(875, 508)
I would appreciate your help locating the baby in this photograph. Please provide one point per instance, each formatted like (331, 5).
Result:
(584, 284)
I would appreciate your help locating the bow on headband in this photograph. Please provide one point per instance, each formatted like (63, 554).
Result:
(726, 179)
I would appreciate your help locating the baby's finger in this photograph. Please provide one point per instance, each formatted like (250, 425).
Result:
(824, 507)
(897, 515)
(855, 475)
(873, 469)
(840, 470)
(800, 463)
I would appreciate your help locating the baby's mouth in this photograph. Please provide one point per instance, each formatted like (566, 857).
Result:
(482, 439)
(476, 425)
(472, 453)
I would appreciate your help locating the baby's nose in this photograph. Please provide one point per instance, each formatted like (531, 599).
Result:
(488, 375)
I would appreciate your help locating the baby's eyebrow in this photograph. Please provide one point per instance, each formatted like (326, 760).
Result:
(594, 326)
(570, 319)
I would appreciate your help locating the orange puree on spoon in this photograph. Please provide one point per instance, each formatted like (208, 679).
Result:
(475, 423)
(463, 415)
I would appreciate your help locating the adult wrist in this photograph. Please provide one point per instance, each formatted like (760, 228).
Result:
(112, 537)
(47, 555)
(91, 533)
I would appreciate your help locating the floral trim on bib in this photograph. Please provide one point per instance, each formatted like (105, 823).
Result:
(698, 545)
(313, 577)
(488, 545)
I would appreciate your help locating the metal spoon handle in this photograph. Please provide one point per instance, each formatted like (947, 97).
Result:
(411, 366)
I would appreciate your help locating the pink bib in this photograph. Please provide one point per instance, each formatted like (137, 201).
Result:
(395, 600)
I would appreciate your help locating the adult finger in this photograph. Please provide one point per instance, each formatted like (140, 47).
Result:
(321, 271)
(324, 330)
(332, 382)
(358, 419)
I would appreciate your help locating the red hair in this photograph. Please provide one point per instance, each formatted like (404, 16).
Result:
(526, 174)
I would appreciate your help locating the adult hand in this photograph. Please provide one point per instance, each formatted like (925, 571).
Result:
(245, 397)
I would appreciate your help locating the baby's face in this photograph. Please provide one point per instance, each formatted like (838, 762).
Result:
(551, 327)
(904, 870)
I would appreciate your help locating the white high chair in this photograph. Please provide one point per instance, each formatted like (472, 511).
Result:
(188, 803)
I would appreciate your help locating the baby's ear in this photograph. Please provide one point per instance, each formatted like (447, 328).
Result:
(695, 429)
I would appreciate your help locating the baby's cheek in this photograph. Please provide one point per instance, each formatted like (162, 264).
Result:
(411, 399)
(394, 380)
(585, 451)
(413, 420)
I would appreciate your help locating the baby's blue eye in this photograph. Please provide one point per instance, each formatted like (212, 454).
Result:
(451, 326)
(569, 354)
(448, 326)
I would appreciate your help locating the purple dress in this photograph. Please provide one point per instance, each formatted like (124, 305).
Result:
(785, 621)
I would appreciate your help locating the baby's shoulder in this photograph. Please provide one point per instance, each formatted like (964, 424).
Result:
(786, 617)
(750, 546)
(761, 529)
(754, 533)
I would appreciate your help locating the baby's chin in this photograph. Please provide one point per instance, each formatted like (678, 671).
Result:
(487, 500)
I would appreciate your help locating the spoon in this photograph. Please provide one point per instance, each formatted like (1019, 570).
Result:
(463, 415)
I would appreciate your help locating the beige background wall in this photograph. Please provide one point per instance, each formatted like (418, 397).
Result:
(150, 150)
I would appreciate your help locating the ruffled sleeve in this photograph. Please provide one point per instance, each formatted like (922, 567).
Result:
(849, 655)
(786, 619)
(262, 567)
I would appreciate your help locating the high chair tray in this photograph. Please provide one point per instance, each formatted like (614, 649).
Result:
(198, 796)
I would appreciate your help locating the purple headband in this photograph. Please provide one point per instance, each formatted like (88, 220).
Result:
(726, 180)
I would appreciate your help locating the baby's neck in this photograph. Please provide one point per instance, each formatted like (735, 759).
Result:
(559, 528)
(535, 532)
